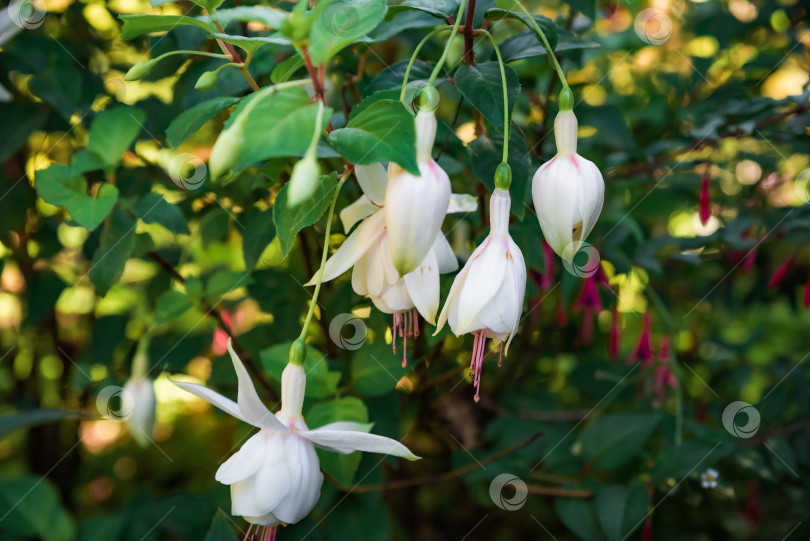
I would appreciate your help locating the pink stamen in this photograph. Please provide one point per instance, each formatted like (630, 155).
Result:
(500, 356)
(477, 361)
(247, 535)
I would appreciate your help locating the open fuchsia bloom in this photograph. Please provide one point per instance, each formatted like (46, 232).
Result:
(487, 295)
(568, 191)
(367, 250)
(275, 477)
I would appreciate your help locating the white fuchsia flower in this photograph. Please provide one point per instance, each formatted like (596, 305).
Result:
(487, 295)
(141, 421)
(417, 203)
(366, 250)
(275, 477)
(568, 191)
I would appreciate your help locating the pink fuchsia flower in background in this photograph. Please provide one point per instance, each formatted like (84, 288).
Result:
(644, 349)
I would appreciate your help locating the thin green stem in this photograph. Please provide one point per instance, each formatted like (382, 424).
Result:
(551, 56)
(319, 280)
(316, 134)
(200, 53)
(415, 54)
(505, 96)
(449, 43)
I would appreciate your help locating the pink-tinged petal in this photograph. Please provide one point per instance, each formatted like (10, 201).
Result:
(358, 441)
(353, 248)
(423, 287)
(250, 406)
(484, 277)
(373, 180)
(212, 397)
(244, 462)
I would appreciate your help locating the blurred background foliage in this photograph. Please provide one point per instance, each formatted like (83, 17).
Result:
(624, 435)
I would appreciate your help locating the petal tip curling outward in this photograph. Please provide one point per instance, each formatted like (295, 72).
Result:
(357, 441)
(250, 405)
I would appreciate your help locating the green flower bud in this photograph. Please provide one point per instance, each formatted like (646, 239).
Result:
(226, 150)
(566, 99)
(305, 177)
(503, 176)
(298, 352)
(206, 81)
(140, 70)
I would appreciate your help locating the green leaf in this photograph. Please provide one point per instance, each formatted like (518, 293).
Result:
(339, 23)
(350, 408)
(113, 131)
(84, 161)
(579, 516)
(153, 209)
(287, 112)
(621, 509)
(253, 43)
(382, 131)
(268, 16)
(481, 86)
(90, 212)
(26, 419)
(290, 220)
(321, 382)
(188, 122)
(525, 45)
(171, 305)
(136, 25)
(258, 234)
(614, 440)
(225, 281)
(375, 369)
(546, 25)
(438, 8)
(286, 68)
(209, 5)
(220, 529)
(31, 508)
(58, 186)
(19, 121)
(117, 243)
(678, 461)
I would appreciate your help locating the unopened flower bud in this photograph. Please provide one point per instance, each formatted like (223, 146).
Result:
(305, 176)
(206, 81)
(140, 70)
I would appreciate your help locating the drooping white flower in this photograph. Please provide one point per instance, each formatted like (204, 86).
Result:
(416, 203)
(487, 295)
(275, 476)
(568, 192)
(141, 421)
(366, 250)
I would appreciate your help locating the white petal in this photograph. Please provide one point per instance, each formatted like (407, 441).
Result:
(359, 210)
(444, 255)
(415, 212)
(462, 202)
(358, 441)
(263, 520)
(263, 491)
(212, 397)
(353, 247)
(518, 272)
(250, 406)
(306, 478)
(592, 196)
(396, 297)
(452, 297)
(484, 278)
(244, 462)
(373, 180)
(345, 425)
(423, 287)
